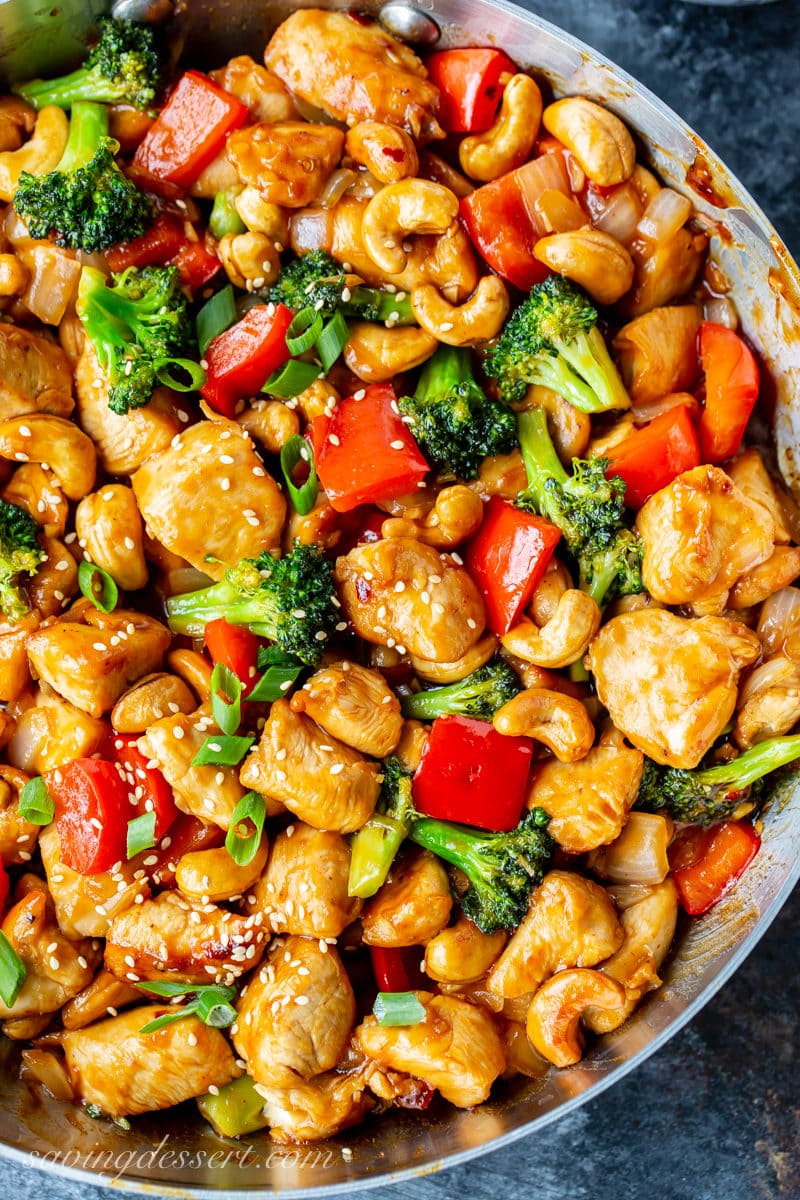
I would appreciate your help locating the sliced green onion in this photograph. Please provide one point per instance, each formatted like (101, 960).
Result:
(216, 315)
(98, 586)
(332, 340)
(12, 972)
(222, 751)
(291, 379)
(242, 847)
(214, 1007)
(141, 833)
(36, 805)
(398, 1008)
(227, 712)
(304, 330)
(176, 1014)
(164, 374)
(297, 450)
(224, 218)
(167, 988)
(275, 682)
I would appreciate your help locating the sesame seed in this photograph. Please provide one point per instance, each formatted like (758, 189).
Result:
(99, 646)
(301, 1000)
(334, 440)
(398, 444)
(446, 326)
(227, 459)
(192, 1039)
(225, 484)
(213, 1089)
(178, 733)
(53, 946)
(337, 768)
(82, 962)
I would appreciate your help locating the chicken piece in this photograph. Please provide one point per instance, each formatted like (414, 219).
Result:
(18, 837)
(123, 442)
(776, 572)
(124, 1072)
(15, 672)
(354, 71)
(35, 375)
(52, 732)
(588, 801)
(307, 1111)
(101, 998)
(501, 475)
(173, 938)
(208, 497)
(456, 1048)
(657, 353)
(669, 683)
(38, 491)
(85, 905)
(571, 922)
(263, 93)
(92, 664)
(401, 592)
(319, 779)
(700, 534)
(751, 477)
(304, 888)
(295, 1015)
(354, 704)
(288, 162)
(210, 793)
(412, 906)
(57, 969)
(769, 702)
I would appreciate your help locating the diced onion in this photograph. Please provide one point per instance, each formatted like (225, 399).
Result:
(618, 214)
(722, 311)
(780, 618)
(666, 213)
(557, 213)
(364, 186)
(337, 185)
(542, 173)
(53, 281)
(664, 404)
(639, 854)
(777, 674)
(50, 1072)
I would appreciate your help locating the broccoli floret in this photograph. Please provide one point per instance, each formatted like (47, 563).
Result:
(138, 325)
(20, 554)
(291, 600)
(588, 509)
(701, 797)
(455, 422)
(479, 695)
(316, 281)
(503, 868)
(373, 849)
(552, 339)
(123, 68)
(86, 203)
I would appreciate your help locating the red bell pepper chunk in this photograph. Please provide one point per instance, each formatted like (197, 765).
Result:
(162, 241)
(235, 647)
(651, 457)
(190, 130)
(732, 385)
(397, 969)
(186, 835)
(154, 793)
(470, 83)
(92, 813)
(5, 887)
(196, 264)
(498, 223)
(720, 857)
(507, 558)
(472, 774)
(364, 452)
(242, 358)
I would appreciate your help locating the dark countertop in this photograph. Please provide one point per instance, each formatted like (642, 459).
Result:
(716, 1113)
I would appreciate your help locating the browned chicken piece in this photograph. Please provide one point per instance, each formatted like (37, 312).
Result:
(208, 496)
(123, 442)
(92, 664)
(319, 779)
(778, 571)
(668, 682)
(51, 732)
(501, 475)
(309, 1110)
(700, 535)
(304, 888)
(412, 744)
(15, 672)
(588, 801)
(354, 704)
(18, 837)
(264, 94)
(37, 491)
(101, 998)
(35, 375)
(752, 478)
(86, 904)
(124, 1072)
(211, 792)
(296, 1014)
(455, 1049)
(462, 953)
(57, 969)
(571, 922)
(769, 702)
(353, 70)
(288, 162)
(173, 938)
(657, 352)
(412, 906)
(399, 592)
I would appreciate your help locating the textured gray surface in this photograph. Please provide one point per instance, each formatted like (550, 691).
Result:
(716, 1113)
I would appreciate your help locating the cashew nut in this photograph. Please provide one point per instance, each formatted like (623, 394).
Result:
(593, 259)
(450, 672)
(40, 154)
(110, 529)
(456, 515)
(250, 260)
(509, 141)
(319, 399)
(476, 320)
(14, 275)
(260, 216)
(462, 953)
(42, 438)
(400, 209)
(450, 266)
(569, 428)
(150, 699)
(194, 669)
(17, 119)
(639, 854)
(559, 722)
(37, 491)
(601, 143)
(56, 580)
(553, 1023)
(270, 423)
(211, 875)
(375, 353)
(563, 639)
(551, 587)
(385, 150)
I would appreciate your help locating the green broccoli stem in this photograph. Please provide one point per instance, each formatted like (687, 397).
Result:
(539, 456)
(88, 126)
(373, 850)
(446, 370)
(602, 577)
(456, 844)
(430, 704)
(551, 372)
(224, 217)
(753, 765)
(394, 307)
(190, 612)
(81, 84)
(588, 357)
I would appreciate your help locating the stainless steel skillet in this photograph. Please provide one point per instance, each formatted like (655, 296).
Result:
(171, 1153)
